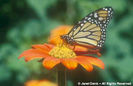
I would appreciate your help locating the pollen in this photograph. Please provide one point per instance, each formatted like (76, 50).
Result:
(62, 51)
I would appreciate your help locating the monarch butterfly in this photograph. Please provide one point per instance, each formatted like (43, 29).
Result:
(91, 30)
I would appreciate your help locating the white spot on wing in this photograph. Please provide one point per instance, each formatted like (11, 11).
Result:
(95, 15)
(85, 21)
(89, 18)
(82, 24)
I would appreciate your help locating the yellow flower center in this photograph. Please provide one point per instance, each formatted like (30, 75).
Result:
(62, 51)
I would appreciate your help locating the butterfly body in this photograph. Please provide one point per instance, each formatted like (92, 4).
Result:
(68, 39)
(91, 30)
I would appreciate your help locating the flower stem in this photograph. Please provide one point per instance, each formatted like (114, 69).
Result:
(62, 76)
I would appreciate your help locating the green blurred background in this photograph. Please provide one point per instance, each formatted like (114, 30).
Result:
(27, 22)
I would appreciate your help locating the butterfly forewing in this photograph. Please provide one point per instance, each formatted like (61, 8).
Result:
(92, 29)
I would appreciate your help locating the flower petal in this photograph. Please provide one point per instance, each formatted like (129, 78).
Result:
(99, 54)
(57, 32)
(84, 63)
(33, 53)
(83, 47)
(96, 62)
(70, 63)
(49, 46)
(41, 47)
(80, 50)
(93, 60)
(49, 63)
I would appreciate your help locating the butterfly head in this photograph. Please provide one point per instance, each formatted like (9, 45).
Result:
(67, 39)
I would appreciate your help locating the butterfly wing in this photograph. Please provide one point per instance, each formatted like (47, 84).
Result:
(92, 29)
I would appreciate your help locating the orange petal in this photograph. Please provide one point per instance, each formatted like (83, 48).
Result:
(93, 60)
(41, 47)
(33, 53)
(96, 62)
(49, 46)
(49, 63)
(39, 83)
(85, 47)
(84, 63)
(80, 50)
(31, 83)
(57, 32)
(70, 63)
(55, 40)
(99, 54)
(61, 30)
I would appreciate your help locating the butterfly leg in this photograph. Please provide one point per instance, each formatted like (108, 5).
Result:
(74, 47)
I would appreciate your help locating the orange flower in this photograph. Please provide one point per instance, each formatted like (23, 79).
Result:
(54, 55)
(40, 83)
(59, 52)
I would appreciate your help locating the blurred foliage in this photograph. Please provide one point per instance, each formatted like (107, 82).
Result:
(27, 22)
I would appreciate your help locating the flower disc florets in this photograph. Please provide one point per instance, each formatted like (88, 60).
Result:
(62, 51)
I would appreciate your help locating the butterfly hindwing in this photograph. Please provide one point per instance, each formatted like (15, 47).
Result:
(92, 29)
